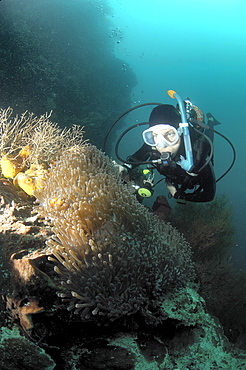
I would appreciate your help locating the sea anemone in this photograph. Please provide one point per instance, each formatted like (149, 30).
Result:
(114, 258)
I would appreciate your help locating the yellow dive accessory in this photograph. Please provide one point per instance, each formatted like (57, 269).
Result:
(146, 171)
(144, 192)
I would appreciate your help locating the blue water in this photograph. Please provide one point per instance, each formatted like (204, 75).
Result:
(196, 48)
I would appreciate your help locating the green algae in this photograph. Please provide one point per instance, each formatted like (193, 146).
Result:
(17, 352)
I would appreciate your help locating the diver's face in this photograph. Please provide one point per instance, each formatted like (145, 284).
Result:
(165, 136)
(170, 149)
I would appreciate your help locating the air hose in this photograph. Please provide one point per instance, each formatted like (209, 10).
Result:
(187, 163)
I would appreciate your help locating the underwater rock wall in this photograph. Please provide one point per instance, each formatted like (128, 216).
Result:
(17, 352)
(58, 56)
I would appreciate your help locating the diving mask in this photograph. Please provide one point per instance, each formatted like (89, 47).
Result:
(161, 136)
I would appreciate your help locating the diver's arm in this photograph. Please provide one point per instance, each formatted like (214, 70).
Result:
(200, 195)
(206, 190)
(172, 189)
(141, 155)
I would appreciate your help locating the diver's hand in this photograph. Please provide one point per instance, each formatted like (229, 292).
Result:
(184, 163)
(171, 188)
(122, 170)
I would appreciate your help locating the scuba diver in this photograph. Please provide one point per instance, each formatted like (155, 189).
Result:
(163, 143)
(179, 145)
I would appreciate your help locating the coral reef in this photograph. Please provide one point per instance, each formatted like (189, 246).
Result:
(112, 288)
(22, 310)
(35, 139)
(28, 144)
(199, 348)
(209, 229)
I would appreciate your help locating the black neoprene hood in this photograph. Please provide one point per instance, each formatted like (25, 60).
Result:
(165, 114)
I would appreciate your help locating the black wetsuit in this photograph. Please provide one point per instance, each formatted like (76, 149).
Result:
(199, 187)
